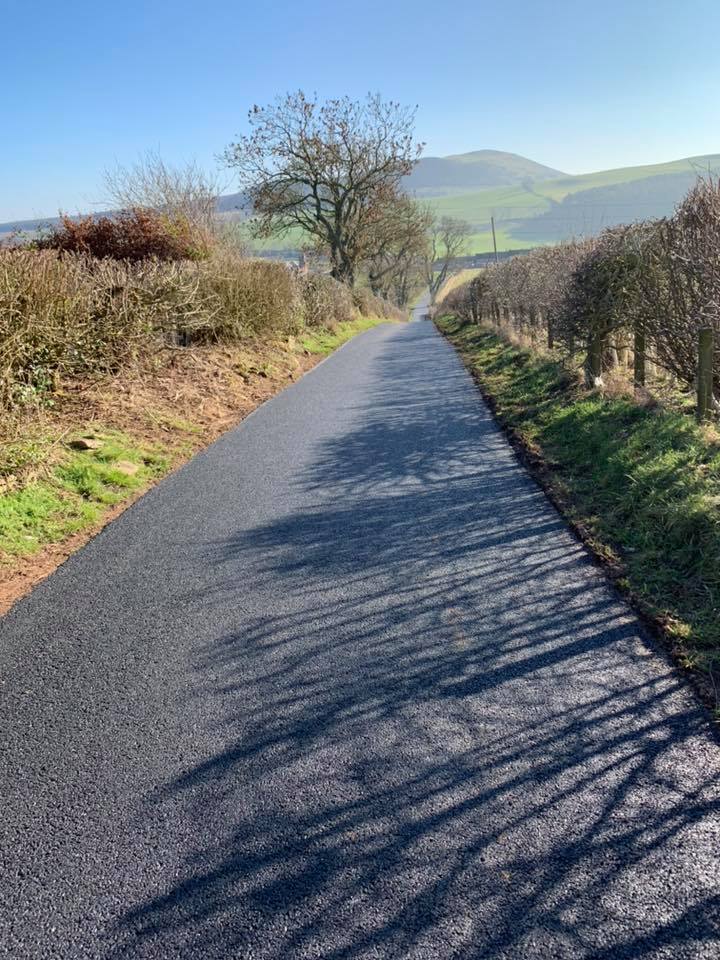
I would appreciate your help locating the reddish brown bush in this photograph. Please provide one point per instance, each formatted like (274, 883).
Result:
(133, 235)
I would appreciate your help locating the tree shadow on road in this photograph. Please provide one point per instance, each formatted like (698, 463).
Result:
(436, 732)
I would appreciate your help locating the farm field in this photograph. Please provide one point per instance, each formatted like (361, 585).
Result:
(533, 205)
(546, 211)
(537, 212)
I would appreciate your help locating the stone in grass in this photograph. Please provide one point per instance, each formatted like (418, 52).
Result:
(126, 467)
(86, 443)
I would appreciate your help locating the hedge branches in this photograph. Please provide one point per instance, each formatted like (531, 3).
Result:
(655, 282)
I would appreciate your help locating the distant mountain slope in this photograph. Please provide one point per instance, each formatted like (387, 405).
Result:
(435, 176)
(42, 223)
(440, 176)
(27, 226)
(548, 211)
(532, 204)
(588, 211)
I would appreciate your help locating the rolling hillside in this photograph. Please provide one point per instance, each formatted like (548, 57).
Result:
(532, 204)
(549, 210)
(480, 169)
(445, 176)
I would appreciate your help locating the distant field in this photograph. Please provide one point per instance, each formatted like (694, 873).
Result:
(481, 241)
(456, 280)
(529, 209)
(622, 195)
(504, 202)
(292, 240)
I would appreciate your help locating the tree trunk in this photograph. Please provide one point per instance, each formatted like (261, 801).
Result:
(343, 272)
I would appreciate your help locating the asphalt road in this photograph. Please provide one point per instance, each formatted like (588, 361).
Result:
(420, 310)
(345, 687)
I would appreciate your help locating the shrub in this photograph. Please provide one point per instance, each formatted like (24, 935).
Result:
(679, 285)
(659, 278)
(67, 314)
(529, 291)
(600, 304)
(134, 235)
(469, 300)
(249, 297)
(73, 314)
(369, 304)
(327, 302)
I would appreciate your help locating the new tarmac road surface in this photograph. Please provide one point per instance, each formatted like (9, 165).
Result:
(346, 687)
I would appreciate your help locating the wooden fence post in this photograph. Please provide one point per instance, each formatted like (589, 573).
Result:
(639, 358)
(594, 358)
(705, 373)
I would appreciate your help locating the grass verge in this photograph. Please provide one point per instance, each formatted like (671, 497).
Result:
(323, 342)
(640, 484)
(70, 489)
(67, 470)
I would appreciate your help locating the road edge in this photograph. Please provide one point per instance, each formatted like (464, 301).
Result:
(656, 636)
(22, 580)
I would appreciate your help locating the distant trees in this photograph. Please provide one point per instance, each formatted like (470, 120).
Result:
(396, 249)
(446, 241)
(333, 169)
(410, 246)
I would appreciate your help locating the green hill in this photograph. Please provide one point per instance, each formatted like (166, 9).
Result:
(481, 169)
(532, 204)
(549, 210)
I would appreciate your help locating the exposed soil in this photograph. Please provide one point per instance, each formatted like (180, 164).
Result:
(181, 401)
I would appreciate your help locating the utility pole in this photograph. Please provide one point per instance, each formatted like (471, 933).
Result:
(492, 224)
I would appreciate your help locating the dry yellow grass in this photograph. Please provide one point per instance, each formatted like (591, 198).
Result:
(456, 280)
(72, 315)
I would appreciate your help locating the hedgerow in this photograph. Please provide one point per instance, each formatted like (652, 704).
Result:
(655, 283)
(67, 313)
(135, 234)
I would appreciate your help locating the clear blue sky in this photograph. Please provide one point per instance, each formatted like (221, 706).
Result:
(578, 85)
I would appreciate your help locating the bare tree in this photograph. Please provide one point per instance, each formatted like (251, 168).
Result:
(327, 168)
(184, 191)
(396, 248)
(448, 237)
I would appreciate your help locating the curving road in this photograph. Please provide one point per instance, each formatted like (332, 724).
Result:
(345, 687)
(420, 310)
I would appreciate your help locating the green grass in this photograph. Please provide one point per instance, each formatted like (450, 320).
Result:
(325, 341)
(49, 490)
(522, 203)
(71, 492)
(290, 240)
(509, 203)
(477, 206)
(644, 481)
